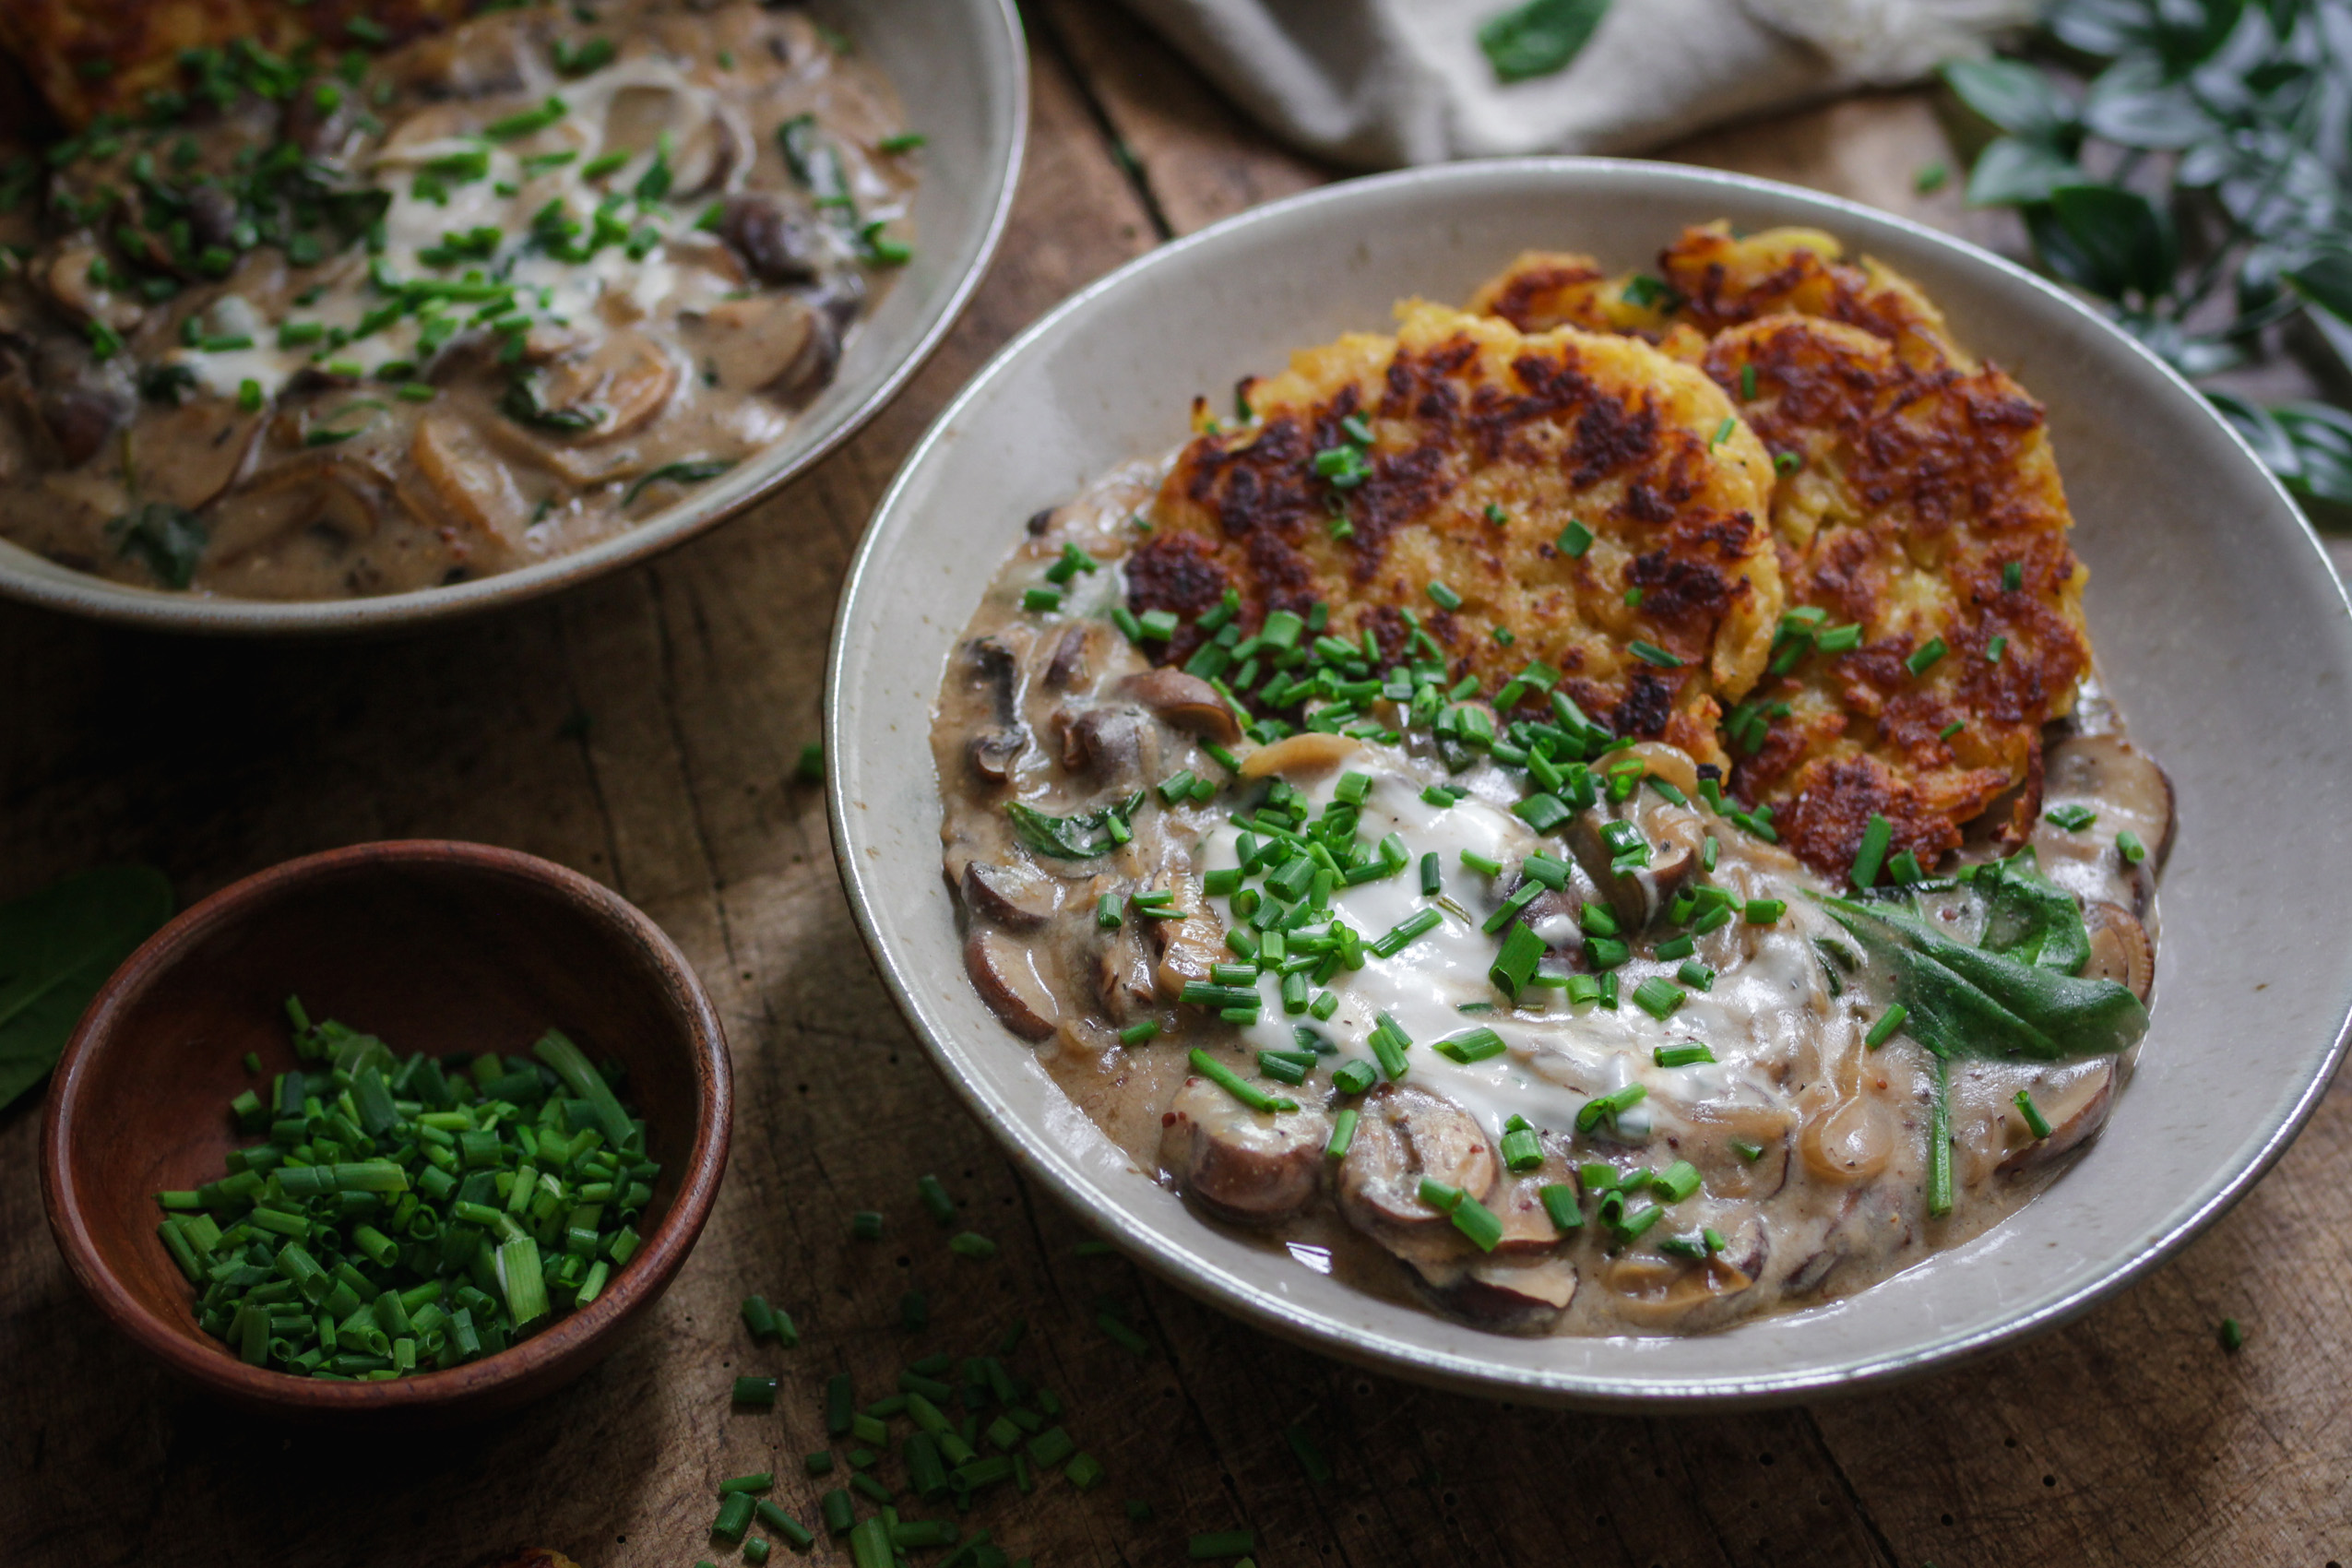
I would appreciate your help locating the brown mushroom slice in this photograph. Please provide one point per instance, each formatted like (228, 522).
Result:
(1640, 896)
(1404, 1133)
(1067, 668)
(1717, 1127)
(1190, 946)
(1005, 972)
(993, 753)
(1308, 752)
(1185, 701)
(1123, 973)
(619, 387)
(463, 480)
(704, 142)
(2120, 950)
(1244, 1164)
(1655, 1291)
(1018, 898)
(188, 455)
(1847, 1142)
(2116, 778)
(1117, 747)
(756, 342)
(1512, 1295)
(2075, 1105)
(582, 468)
(340, 492)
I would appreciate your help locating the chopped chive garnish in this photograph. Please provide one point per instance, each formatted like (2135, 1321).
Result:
(1660, 997)
(1041, 600)
(2127, 845)
(1574, 540)
(1923, 659)
(1445, 597)
(903, 141)
(1764, 911)
(1748, 383)
(1688, 1055)
(1993, 649)
(935, 1200)
(1952, 729)
(1787, 462)
(2233, 1337)
(1138, 1034)
(1650, 653)
(1889, 1023)
(2012, 575)
(866, 1224)
(1343, 1133)
(2035, 1120)
(1521, 1149)
(1560, 1206)
(1747, 1150)
(1723, 432)
(2072, 818)
(1232, 1083)
(1876, 836)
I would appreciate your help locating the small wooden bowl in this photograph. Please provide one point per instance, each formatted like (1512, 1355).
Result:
(434, 947)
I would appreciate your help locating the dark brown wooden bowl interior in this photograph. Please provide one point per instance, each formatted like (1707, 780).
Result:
(435, 947)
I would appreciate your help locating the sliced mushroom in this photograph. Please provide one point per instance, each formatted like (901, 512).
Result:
(1067, 668)
(1404, 1134)
(1185, 701)
(1113, 746)
(2109, 775)
(757, 342)
(994, 753)
(1640, 896)
(620, 385)
(341, 491)
(1308, 752)
(2120, 950)
(190, 454)
(1730, 1174)
(461, 479)
(77, 417)
(1190, 945)
(1005, 974)
(2075, 1106)
(65, 278)
(1656, 1292)
(1125, 977)
(1847, 1142)
(1511, 1295)
(777, 246)
(1018, 898)
(704, 141)
(1244, 1164)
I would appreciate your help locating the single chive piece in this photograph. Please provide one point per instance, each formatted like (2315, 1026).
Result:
(903, 141)
(1650, 653)
(1689, 1055)
(759, 1317)
(755, 1390)
(1764, 911)
(1574, 540)
(1867, 859)
(839, 1397)
(2035, 1120)
(1939, 1183)
(1471, 1045)
(839, 1512)
(1993, 649)
(1747, 1150)
(1839, 639)
(1674, 947)
(1353, 1077)
(1138, 1034)
(935, 1200)
(1952, 729)
(759, 1481)
(2072, 818)
(756, 1550)
(819, 1463)
(1695, 975)
(1748, 383)
(1522, 1148)
(1343, 1133)
(1678, 1181)
(1432, 877)
(1041, 600)
(971, 1244)
(2127, 845)
(1923, 658)
(1889, 1024)
(1443, 598)
(734, 1518)
(2233, 1337)
(1232, 1083)
(1787, 462)
(1480, 864)
(2012, 575)
(1633, 599)
(1561, 1206)
(1660, 997)
(866, 1224)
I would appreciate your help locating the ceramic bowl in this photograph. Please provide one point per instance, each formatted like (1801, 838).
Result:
(961, 68)
(2220, 627)
(434, 947)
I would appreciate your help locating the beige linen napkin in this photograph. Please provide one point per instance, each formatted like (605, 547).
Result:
(1376, 83)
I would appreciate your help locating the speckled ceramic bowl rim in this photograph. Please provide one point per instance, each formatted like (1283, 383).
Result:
(1000, 74)
(1165, 1249)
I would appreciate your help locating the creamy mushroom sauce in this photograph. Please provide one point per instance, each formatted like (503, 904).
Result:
(356, 324)
(1810, 1146)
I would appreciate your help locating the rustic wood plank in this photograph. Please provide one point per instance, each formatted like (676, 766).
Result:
(644, 731)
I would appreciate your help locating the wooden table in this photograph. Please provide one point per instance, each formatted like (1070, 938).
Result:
(644, 731)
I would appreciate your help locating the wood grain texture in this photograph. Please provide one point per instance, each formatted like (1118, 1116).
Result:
(643, 731)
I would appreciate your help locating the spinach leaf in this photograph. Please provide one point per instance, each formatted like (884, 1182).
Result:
(1080, 836)
(694, 471)
(1540, 38)
(57, 946)
(1990, 1004)
(2032, 919)
(169, 538)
